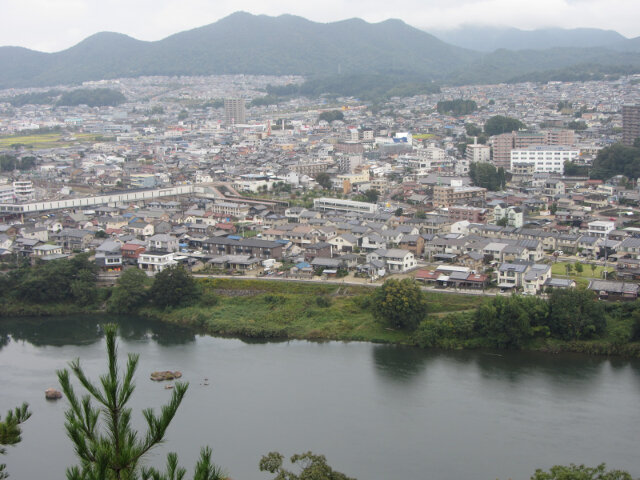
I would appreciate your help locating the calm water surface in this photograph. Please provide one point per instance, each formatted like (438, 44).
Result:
(377, 412)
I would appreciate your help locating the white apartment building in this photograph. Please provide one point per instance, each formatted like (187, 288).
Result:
(600, 228)
(339, 205)
(544, 158)
(478, 153)
(238, 210)
(6, 194)
(433, 154)
(23, 190)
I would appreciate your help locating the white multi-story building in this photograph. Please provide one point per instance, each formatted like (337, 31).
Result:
(600, 228)
(153, 262)
(432, 153)
(23, 190)
(478, 153)
(544, 158)
(6, 194)
(339, 205)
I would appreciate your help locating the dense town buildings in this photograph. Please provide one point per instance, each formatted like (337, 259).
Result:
(187, 178)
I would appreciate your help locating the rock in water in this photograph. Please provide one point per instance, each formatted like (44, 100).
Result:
(166, 375)
(52, 394)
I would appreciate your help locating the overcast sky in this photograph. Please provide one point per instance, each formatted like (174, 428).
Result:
(53, 25)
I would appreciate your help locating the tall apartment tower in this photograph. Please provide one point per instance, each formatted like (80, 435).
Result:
(630, 123)
(502, 146)
(234, 111)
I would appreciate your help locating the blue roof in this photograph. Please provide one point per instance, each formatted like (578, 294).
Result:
(303, 265)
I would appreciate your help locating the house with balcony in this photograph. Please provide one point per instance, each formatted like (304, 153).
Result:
(535, 278)
(600, 228)
(528, 276)
(395, 260)
(154, 262)
(109, 255)
(511, 275)
(132, 250)
(73, 239)
(589, 246)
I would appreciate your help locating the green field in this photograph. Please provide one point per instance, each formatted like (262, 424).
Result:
(559, 269)
(273, 309)
(47, 140)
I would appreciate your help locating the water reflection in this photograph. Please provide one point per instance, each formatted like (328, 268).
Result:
(53, 331)
(516, 367)
(138, 329)
(85, 330)
(401, 364)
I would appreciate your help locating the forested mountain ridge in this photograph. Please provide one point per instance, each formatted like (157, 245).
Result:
(257, 44)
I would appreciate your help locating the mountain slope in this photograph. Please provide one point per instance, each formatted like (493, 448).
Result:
(489, 39)
(244, 43)
(506, 66)
(389, 52)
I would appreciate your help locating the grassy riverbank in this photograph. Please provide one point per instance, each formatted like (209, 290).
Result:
(270, 309)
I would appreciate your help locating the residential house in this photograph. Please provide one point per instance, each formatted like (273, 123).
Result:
(72, 239)
(535, 278)
(109, 255)
(344, 243)
(608, 290)
(163, 242)
(132, 250)
(412, 243)
(395, 260)
(154, 262)
(44, 250)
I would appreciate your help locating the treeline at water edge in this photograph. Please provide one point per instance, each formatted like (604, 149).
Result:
(397, 312)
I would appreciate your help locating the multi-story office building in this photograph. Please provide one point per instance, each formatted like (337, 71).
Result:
(234, 112)
(630, 123)
(544, 158)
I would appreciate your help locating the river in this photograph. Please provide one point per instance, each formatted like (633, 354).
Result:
(377, 412)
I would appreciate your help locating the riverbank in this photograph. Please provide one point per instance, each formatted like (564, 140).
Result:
(260, 309)
(297, 310)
